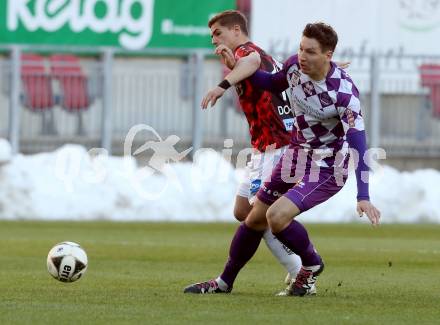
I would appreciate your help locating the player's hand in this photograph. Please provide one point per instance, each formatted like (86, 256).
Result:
(212, 96)
(370, 210)
(343, 64)
(226, 55)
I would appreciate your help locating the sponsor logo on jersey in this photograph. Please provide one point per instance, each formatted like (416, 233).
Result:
(350, 117)
(284, 110)
(325, 99)
(294, 77)
(255, 186)
(288, 124)
(309, 89)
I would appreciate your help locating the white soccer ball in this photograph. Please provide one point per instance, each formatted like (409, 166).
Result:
(67, 261)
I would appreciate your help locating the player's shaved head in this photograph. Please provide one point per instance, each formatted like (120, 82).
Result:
(323, 33)
(230, 18)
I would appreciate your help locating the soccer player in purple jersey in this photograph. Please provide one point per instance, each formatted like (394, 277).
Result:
(329, 121)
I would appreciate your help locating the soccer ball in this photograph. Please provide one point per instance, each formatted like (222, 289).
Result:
(67, 261)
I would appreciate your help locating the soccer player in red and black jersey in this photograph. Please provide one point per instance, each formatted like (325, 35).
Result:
(269, 116)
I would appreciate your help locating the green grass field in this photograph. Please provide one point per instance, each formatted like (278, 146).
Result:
(388, 275)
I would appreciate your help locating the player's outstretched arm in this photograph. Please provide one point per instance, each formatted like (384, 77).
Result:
(273, 82)
(243, 69)
(357, 141)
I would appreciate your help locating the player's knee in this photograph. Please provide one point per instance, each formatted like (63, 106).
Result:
(257, 224)
(277, 219)
(256, 218)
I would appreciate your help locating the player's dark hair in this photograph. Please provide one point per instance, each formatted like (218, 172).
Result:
(229, 18)
(323, 33)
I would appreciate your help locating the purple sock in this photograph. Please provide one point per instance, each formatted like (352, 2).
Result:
(243, 247)
(296, 238)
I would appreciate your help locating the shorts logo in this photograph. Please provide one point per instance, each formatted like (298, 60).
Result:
(255, 186)
(269, 192)
(300, 184)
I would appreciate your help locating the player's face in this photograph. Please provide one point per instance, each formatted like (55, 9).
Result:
(223, 35)
(312, 60)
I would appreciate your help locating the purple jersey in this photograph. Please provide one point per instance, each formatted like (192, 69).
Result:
(327, 118)
(325, 110)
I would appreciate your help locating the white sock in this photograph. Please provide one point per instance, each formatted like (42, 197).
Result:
(222, 284)
(288, 259)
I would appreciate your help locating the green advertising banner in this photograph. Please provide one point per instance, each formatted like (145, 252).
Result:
(130, 24)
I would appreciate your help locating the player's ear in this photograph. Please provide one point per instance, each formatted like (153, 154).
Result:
(237, 29)
(329, 55)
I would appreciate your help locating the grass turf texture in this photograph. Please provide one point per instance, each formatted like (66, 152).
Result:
(137, 271)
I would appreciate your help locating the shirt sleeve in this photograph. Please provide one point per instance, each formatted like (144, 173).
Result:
(358, 142)
(349, 109)
(348, 105)
(273, 82)
(243, 51)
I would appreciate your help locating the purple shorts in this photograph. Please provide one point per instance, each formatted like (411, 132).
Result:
(300, 180)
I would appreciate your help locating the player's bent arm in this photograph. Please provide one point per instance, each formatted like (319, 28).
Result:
(357, 140)
(273, 82)
(244, 68)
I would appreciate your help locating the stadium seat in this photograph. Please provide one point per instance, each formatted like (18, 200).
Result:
(37, 95)
(430, 78)
(74, 95)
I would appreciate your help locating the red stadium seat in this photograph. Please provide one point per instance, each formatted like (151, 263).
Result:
(37, 93)
(73, 83)
(37, 87)
(430, 77)
(74, 97)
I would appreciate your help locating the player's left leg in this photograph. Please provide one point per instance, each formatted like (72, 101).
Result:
(245, 243)
(289, 260)
(303, 196)
(262, 167)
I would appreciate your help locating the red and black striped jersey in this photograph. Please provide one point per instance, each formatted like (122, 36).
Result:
(269, 115)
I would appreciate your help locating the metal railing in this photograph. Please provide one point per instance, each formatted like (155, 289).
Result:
(163, 89)
(163, 92)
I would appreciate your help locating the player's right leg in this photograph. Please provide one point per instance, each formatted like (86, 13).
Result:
(294, 235)
(283, 210)
(243, 246)
(303, 196)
